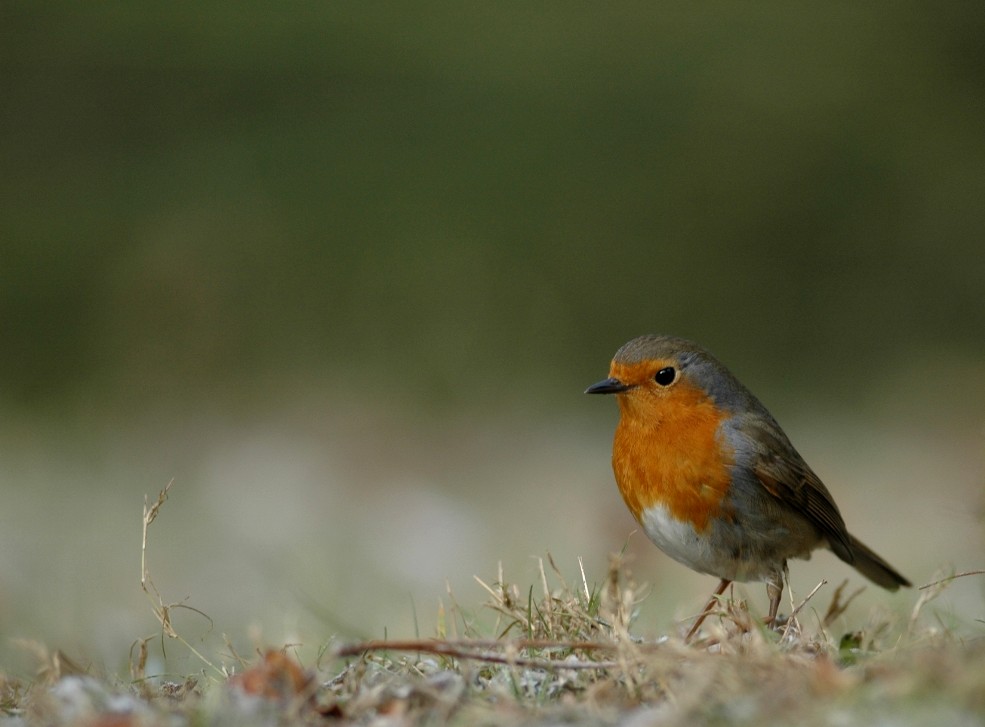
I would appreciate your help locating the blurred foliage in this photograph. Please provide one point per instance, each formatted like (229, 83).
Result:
(452, 202)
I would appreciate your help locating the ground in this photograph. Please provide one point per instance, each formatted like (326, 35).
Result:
(565, 656)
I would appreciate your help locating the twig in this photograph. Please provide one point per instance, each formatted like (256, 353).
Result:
(837, 607)
(584, 583)
(161, 610)
(951, 578)
(481, 651)
(149, 514)
(795, 611)
(548, 612)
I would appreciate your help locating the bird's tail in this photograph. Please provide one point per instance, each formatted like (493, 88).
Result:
(873, 567)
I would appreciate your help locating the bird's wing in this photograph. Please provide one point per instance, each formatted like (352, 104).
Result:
(786, 476)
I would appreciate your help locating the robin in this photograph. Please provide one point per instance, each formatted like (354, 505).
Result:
(712, 479)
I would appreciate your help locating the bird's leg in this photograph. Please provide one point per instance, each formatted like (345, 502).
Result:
(774, 589)
(708, 608)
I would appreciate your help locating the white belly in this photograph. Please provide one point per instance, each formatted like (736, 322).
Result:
(706, 553)
(678, 540)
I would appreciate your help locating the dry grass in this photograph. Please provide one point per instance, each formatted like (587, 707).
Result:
(554, 652)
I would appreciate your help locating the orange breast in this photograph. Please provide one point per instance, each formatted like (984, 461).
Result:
(667, 452)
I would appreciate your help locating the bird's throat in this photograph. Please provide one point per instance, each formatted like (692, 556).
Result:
(672, 455)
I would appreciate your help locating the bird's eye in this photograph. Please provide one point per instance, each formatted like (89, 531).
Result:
(665, 376)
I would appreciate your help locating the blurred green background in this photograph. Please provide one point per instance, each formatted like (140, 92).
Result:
(342, 270)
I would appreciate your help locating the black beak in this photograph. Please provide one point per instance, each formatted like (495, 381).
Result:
(608, 386)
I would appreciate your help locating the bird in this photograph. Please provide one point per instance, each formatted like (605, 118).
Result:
(711, 477)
